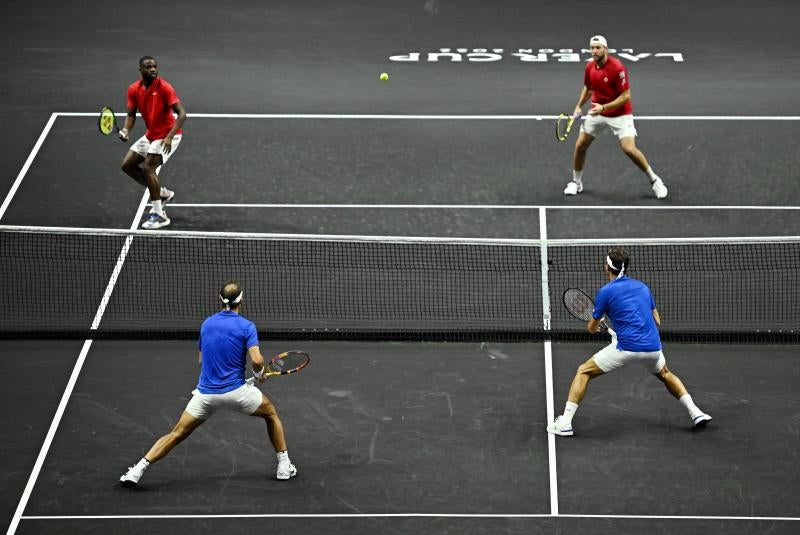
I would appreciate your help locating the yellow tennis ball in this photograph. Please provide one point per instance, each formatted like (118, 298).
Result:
(384, 76)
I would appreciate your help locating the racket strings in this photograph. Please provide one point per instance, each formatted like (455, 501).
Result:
(288, 362)
(579, 304)
(563, 126)
(108, 121)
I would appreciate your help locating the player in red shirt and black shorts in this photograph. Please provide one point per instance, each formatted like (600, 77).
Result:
(606, 82)
(156, 100)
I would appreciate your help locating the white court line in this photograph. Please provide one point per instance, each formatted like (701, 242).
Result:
(456, 117)
(76, 370)
(548, 364)
(475, 206)
(522, 242)
(412, 515)
(27, 165)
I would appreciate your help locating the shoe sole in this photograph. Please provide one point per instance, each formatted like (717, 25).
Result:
(580, 189)
(128, 484)
(154, 227)
(290, 476)
(561, 433)
(703, 422)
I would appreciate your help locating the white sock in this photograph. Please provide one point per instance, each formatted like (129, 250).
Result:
(569, 411)
(653, 176)
(157, 208)
(144, 463)
(576, 175)
(283, 456)
(687, 402)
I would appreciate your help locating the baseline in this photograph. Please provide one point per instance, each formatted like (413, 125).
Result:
(413, 515)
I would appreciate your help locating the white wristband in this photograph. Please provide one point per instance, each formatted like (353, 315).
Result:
(260, 374)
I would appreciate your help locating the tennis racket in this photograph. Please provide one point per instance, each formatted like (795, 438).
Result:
(284, 364)
(564, 125)
(107, 122)
(580, 305)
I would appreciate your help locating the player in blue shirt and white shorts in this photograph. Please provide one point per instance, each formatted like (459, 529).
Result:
(226, 340)
(630, 307)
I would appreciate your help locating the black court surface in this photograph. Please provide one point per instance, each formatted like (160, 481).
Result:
(291, 131)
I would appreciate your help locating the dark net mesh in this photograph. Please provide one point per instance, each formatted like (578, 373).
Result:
(163, 284)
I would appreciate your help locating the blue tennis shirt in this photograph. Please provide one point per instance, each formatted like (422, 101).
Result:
(225, 338)
(629, 305)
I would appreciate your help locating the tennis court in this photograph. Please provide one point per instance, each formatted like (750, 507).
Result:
(410, 235)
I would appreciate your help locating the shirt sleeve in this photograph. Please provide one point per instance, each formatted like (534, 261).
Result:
(600, 304)
(251, 335)
(622, 79)
(172, 96)
(587, 78)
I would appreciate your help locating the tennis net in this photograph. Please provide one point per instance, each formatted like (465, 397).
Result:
(69, 283)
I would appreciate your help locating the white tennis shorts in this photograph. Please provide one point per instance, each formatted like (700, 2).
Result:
(621, 126)
(245, 399)
(144, 146)
(610, 358)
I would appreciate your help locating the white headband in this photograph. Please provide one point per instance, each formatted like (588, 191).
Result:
(228, 302)
(612, 266)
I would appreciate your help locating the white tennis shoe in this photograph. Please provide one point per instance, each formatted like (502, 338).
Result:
(133, 475)
(166, 195)
(286, 470)
(659, 189)
(573, 188)
(701, 420)
(560, 427)
(155, 221)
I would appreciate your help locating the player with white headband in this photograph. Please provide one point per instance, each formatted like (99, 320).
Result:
(629, 306)
(227, 339)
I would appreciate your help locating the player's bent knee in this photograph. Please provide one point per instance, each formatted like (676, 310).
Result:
(266, 410)
(663, 373)
(590, 368)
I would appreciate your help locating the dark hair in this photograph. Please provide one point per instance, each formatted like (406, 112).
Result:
(620, 260)
(230, 291)
(145, 58)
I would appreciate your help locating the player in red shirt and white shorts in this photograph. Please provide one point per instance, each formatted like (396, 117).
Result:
(606, 82)
(156, 100)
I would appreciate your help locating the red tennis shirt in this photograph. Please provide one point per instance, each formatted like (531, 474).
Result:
(607, 83)
(155, 104)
